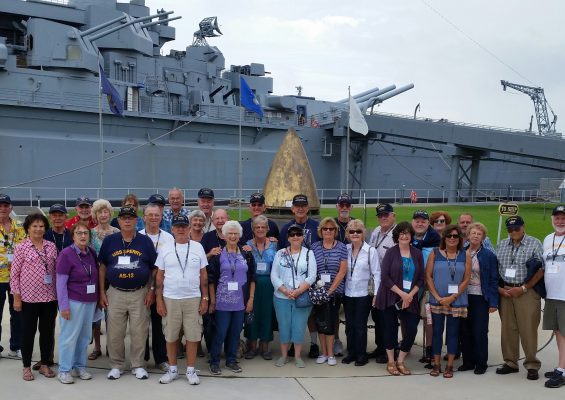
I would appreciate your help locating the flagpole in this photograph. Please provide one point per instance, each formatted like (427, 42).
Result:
(239, 166)
(101, 131)
(347, 146)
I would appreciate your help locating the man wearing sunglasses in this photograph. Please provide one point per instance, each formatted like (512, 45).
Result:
(520, 305)
(343, 205)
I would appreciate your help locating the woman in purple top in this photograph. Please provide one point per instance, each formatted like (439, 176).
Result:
(77, 292)
(331, 260)
(231, 282)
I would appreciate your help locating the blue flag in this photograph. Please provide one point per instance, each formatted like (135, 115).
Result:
(248, 99)
(114, 100)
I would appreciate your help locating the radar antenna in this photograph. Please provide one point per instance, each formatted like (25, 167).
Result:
(208, 28)
(545, 128)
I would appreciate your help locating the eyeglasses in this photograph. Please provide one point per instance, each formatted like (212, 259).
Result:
(82, 233)
(328, 229)
(513, 229)
(355, 232)
(295, 234)
(344, 205)
(386, 215)
(440, 221)
(452, 236)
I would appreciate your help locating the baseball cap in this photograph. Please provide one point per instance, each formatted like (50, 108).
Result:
(83, 200)
(157, 199)
(4, 198)
(384, 208)
(57, 208)
(559, 209)
(127, 211)
(257, 198)
(206, 193)
(514, 222)
(294, 227)
(344, 198)
(180, 220)
(300, 200)
(420, 214)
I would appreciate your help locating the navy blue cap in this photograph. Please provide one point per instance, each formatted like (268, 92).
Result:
(294, 227)
(344, 198)
(127, 211)
(57, 208)
(83, 200)
(384, 208)
(420, 214)
(4, 198)
(180, 220)
(514, 222)
(559, 209)
(206, 193)
(300, 200)
(157, 199)
(257, 198)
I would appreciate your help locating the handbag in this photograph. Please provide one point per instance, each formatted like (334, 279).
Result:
(533, 265)
(318, 295)
(303, 299)
(371, 285)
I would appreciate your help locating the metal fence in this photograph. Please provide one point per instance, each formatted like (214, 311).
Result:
(38, 196)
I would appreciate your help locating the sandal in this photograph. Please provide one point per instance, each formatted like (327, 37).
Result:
(46, 371)
(36, 366)
(402, 369)
(27, 374)
(448, 372)
(436, 370)
(94, 355)
(391, 369)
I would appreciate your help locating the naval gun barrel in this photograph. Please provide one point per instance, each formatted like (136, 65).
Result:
(379, 99)
(133, 21)
(356, 96)
(101, 26)
(148, 24)
(363, 100)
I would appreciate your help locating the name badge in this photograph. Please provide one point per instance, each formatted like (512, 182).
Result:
(406, 285)
(123, 260)
(232, 286)
(552, 269)
(10, 257)
(262, 266)
(90, 289)
(48, 279)
(453, 289)
(326, 278)
(510, 273)
(185, 284)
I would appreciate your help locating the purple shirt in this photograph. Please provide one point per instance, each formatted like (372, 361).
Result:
(233, 268)
(75, 272)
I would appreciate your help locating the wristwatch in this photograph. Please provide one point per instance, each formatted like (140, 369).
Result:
(152, 288)
(205, 298)
(524, 288)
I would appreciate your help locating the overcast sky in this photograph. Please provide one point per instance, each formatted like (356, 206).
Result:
(327, 45)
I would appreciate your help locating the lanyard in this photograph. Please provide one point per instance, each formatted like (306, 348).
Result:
(514, 253)
(406, 265)
(554, 250)
(326, 256)
(452, 268)
(42, 257)
(256, 248)
(129, 243)
(340, 229)
(84, 265)
(290, 260)
(156, 244)
(353, 262)
(62, 241)
(232, 261)
(185, 259)
(377, 242)
(220, 241)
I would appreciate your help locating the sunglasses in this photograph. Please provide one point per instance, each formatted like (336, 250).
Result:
(295, 234)
(355, 232)
(452, 236)
(328, 229)
(440, 221)
(514, 229)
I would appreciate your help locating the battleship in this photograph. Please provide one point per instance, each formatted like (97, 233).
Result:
(183, 124)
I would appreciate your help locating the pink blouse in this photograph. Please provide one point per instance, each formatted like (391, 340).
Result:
(32, 275)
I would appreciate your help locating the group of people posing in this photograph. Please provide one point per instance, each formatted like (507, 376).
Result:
(197, 275)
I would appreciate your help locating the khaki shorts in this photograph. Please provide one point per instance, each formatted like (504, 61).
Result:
(182, 314)
(554, 316)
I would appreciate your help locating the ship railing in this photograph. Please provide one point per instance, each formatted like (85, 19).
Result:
(36, 196)
(229, 113)
(323, 119)
(479, 126)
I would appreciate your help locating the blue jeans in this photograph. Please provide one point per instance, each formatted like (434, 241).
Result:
(15, 320)
(228, 328)
(451, 333)
(292, 320)
(75, 335)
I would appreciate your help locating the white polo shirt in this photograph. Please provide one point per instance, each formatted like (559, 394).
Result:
(554, 259)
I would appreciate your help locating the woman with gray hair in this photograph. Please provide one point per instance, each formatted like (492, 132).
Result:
(196, 219)
(231, 282)
(102, 215)
(263, 251)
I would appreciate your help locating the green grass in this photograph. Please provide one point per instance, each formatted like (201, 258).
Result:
(537, 216)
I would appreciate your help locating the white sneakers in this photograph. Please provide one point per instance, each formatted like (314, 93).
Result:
(140, 373)
(332, 361)
(191, 377)
(81, 373)
(65, 378)
(15, 354)
(114, 374)
(323, 359)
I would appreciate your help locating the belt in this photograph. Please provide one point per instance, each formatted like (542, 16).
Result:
(128, 290)
(513, 284)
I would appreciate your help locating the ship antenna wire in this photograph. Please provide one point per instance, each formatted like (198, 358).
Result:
(98, 162)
